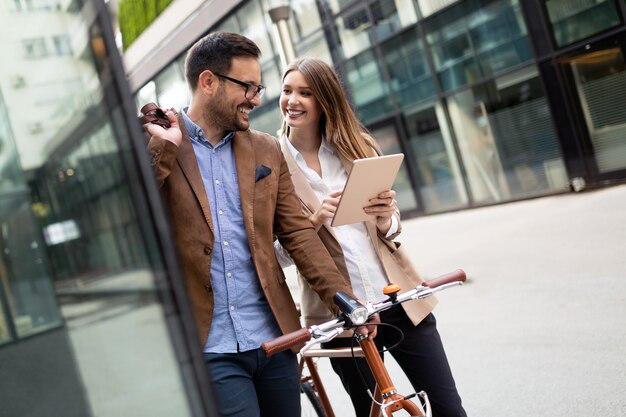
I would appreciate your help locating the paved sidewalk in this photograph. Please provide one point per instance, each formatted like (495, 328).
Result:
(540, 328)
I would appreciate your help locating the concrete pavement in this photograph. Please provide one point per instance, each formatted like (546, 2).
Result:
(540, 328)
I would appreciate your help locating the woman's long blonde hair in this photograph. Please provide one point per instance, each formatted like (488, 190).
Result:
(338, 123)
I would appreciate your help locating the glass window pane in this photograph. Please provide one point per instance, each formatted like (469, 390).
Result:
(267, 118)
(314, 46)
(473, 40)
(171, 88)
(5, 335)
(387, 139)
(506, 138)
(572, 21)
(428, 7)
(305, 18)
(388, 20)
(408, 70)
(337, 5)
(369, 92)
(270, 78)
(441, 183)
(78, 262)
(355, 31)
(600, 79)
(252, 24)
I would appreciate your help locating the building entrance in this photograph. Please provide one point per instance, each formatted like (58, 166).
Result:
(598, 86)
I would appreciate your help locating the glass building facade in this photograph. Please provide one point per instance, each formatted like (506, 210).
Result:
(91, 323)
(490, 100)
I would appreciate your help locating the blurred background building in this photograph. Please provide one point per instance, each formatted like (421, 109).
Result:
(491, 101)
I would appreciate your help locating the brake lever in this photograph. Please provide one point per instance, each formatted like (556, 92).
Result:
(319, 336)
(427, 291)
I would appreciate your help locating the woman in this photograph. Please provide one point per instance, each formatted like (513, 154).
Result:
(320, 136)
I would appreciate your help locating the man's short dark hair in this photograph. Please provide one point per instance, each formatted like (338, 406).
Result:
(215, 52)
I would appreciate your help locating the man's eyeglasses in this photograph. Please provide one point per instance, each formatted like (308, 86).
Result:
(252, 90)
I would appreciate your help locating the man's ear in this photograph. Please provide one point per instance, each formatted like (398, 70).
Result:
(208, 82)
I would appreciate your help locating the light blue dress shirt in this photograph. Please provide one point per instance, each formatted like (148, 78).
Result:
(242, 318)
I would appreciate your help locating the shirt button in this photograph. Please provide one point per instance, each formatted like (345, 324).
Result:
(232, 308)
(228, 274)
(207, 250)
(220, 212)
(225, 243)
(217, 182)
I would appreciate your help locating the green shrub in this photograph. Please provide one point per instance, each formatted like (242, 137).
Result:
(134, 16)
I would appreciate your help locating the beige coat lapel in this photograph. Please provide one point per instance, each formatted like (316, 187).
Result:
(245, 161)
(189, 166)
(305, 192)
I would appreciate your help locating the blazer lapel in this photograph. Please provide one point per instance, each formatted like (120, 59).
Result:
(245, 161)
(189, 166)
(305, 192)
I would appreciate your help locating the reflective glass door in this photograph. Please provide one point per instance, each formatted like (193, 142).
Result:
(599, 84)
(386, 136)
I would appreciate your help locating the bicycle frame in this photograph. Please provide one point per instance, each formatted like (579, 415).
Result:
(386, 398)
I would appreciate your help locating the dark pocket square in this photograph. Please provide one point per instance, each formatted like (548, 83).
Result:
(261, 172)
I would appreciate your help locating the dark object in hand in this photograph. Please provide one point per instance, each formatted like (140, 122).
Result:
(151, 113)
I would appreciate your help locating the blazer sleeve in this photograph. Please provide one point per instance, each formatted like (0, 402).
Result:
(163, 154)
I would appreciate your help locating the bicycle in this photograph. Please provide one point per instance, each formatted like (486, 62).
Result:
(386, 399)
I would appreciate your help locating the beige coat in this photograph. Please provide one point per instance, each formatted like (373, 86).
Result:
(393, 258)
(270, 208)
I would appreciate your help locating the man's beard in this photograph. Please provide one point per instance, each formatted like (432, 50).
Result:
(220, 114)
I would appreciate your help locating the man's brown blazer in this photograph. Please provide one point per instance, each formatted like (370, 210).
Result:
(270, 208)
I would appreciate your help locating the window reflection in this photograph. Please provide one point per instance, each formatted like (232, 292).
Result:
(305, 18)
(75, 268)
(390, 16)
(387, 139)
(473, 40)
(572, 21)
(600, 79)
(408, 70)
(369, 92)
(428, 7)
(171, 87)
(507, 140)
(431, 148)
(359, 27)
(355, 31)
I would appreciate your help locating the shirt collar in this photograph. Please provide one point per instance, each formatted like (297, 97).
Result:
(197, 134)
(324, 147)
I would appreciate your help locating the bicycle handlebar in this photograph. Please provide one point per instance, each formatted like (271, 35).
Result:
(454, 276)
(331, 329)
(286, 341)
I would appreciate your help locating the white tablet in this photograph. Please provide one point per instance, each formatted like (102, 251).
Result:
(368, 178)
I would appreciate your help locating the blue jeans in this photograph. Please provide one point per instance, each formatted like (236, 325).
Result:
(247, 384)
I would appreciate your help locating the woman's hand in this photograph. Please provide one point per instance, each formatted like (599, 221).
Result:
(383, 207)
(326, 212)
(172, 134)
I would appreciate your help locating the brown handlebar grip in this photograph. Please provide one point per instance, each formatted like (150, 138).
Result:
(458, 275)
(286, 341)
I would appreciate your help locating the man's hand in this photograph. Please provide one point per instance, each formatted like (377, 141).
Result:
(172, 134)
(369, 330)
(383, 207)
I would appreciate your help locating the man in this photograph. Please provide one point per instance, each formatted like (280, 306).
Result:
(229, 193)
